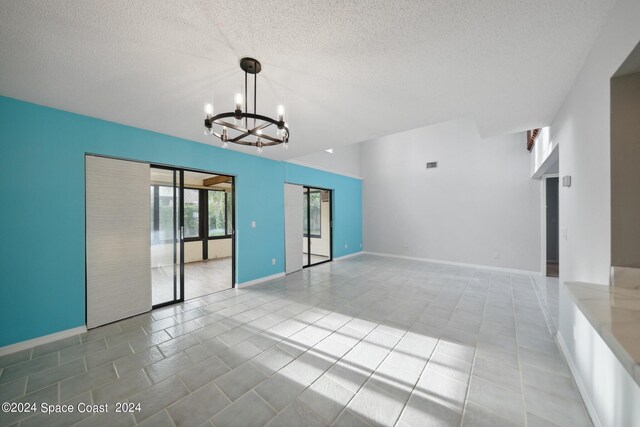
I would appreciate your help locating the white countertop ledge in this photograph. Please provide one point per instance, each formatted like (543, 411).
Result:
(614, 313)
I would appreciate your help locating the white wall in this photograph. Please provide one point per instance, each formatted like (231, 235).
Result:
(478, 204)
(192, 251)
(219, 248)
(345, 160)
(582, 130)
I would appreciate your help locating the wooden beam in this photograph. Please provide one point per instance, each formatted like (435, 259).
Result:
(216, 180)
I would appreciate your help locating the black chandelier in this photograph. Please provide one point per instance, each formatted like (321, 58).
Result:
(241, 126)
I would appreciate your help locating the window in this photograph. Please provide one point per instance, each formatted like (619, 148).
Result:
(220, 213)
(532, 135)
(161, 214)
(315, 214)
(217, 213)
(191, 213)
(214, 205)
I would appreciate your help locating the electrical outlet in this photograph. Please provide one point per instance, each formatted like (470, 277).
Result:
(273, 261)
(405, 244)
(496, 255)
(361, 245)
(253, 224)
(346, 245)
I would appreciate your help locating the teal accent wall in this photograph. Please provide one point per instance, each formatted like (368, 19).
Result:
(42, 250)
(347, 204)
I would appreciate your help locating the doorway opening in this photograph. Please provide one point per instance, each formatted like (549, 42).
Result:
(552, 226)
(192, 234)
(317, 226)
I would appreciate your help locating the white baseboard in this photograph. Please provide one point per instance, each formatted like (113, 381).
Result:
(348, 256)
(460, 264)
(260, 280)
(576, 377)
(12, 348)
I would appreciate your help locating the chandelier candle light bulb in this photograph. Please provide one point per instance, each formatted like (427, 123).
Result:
(224, 137)
(264, 132)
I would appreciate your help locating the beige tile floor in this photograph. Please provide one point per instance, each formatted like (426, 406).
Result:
(200, 278)
(364, 341)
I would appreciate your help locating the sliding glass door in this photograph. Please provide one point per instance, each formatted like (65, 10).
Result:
(317, 226)
(192, 234)
(208, 233)
(166, 244)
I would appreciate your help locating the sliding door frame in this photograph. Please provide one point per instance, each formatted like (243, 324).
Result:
(307, 189)
(205, 238)
(178, 227)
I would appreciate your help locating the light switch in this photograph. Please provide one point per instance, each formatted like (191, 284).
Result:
(253, 224)
(563, 232)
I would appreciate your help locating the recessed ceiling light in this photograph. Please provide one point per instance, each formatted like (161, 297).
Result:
(330, 151)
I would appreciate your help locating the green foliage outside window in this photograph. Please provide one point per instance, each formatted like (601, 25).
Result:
(217, 213)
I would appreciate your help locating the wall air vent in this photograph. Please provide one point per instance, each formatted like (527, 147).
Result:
(431, 165)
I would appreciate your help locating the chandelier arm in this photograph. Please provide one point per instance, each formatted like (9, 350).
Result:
(270, 138)
(230, 126)
(261, 126)
(247, 143)
(270, 144)
(238, 139)
(253, 132)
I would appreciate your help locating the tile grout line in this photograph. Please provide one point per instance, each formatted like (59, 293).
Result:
(266, 378)
(249, 361)
(306, 351)
(524, 401)
(368, 378)
(562, 356)
(419, 376)
(415, 386)
(473, 365)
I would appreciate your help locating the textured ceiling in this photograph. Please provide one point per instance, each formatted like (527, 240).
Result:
(347, 71)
